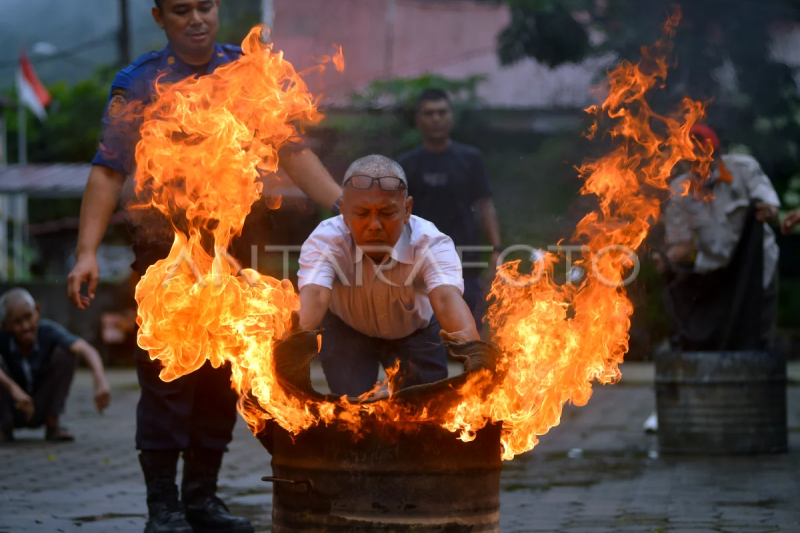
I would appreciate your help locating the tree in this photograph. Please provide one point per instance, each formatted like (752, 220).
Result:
(723, 54)
(73, 126)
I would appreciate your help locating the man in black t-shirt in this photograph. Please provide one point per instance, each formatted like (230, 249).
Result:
(37, 363)
(448, 183)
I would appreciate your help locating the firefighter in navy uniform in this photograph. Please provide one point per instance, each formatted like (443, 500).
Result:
(194, 414)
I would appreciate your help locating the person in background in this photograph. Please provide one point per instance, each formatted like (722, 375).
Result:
(449, 185)
(704, 233)
(195, 414)
(385, 285)
(37, 364)
(720, 257)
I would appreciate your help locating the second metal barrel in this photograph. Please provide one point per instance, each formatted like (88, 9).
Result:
(721, 402)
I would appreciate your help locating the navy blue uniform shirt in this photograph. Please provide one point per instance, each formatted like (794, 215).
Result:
(26, 370)
(136, 83)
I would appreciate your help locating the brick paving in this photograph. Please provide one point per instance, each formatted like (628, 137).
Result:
(596, 472)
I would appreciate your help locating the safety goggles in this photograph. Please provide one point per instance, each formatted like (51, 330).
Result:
(387, 183)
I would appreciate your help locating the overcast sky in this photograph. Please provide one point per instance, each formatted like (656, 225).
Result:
(66, 24)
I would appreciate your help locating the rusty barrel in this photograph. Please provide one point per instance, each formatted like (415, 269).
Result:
(425, 481)
(721, 402)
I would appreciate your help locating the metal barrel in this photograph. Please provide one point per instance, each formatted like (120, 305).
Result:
(721, 402)
(424, 481)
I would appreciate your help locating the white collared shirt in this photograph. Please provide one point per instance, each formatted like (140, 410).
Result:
(390, 300)
(716, 225)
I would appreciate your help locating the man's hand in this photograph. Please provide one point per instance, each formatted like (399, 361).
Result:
(84, 271)
(680, 252)
(464, 335)
(22, 402)
(766, 212)
(791, 220)
(102, 394)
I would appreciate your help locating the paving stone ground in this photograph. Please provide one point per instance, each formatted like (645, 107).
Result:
(596, 472)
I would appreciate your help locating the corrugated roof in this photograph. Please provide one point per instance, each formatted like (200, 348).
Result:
(58, 180)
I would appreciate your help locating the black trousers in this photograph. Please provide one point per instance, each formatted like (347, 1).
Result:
(350, 359)
(49, 395)
(194, 411)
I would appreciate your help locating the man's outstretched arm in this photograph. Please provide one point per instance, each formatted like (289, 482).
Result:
(453, 314)
(99, 202)
(314, 302)
(308, 173)
(491, 228)
(102, 390)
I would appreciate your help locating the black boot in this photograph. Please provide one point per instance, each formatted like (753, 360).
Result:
(206, 512)
(165, 512)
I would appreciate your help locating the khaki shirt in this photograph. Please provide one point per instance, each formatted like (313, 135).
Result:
(715, 225)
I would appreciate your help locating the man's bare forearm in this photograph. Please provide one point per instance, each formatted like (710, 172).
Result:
(491, 226)
(452, 312)
(6, 382)
(314, 302)
(308, 173)
(99, 202)
(91, 356)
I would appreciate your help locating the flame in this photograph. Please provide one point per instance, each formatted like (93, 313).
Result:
(561, 338)
(204, 143)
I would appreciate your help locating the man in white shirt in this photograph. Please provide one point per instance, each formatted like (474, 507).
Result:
(706, 235)
(384, 286)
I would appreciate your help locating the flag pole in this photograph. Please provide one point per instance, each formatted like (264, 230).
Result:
(22, 135)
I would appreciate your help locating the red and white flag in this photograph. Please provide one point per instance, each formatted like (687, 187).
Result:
(30, 91)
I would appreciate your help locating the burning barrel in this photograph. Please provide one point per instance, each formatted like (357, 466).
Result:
(721, 402)
(423, 481)
(387, 476)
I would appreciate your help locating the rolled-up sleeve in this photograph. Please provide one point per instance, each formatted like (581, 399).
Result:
(758, 184)
(441, 264)
(678, 228)
(317, 261)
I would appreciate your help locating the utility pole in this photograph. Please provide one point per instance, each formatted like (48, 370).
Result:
(124, 34)
(22, 135)
(388, 51)
(268, 15)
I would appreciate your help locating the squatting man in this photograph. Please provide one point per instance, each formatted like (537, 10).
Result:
(37, 364)
(384, 286)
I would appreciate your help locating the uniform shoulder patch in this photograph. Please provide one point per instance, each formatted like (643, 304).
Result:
(144, 58)
(117, 104)
(232, 49)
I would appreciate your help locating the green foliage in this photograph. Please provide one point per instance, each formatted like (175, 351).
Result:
(384, 118)
(760, 109)
(402, 92)
(73, 125)
(545, 30)
(237, 19)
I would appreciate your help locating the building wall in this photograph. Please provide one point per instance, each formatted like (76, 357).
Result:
(450, 38)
